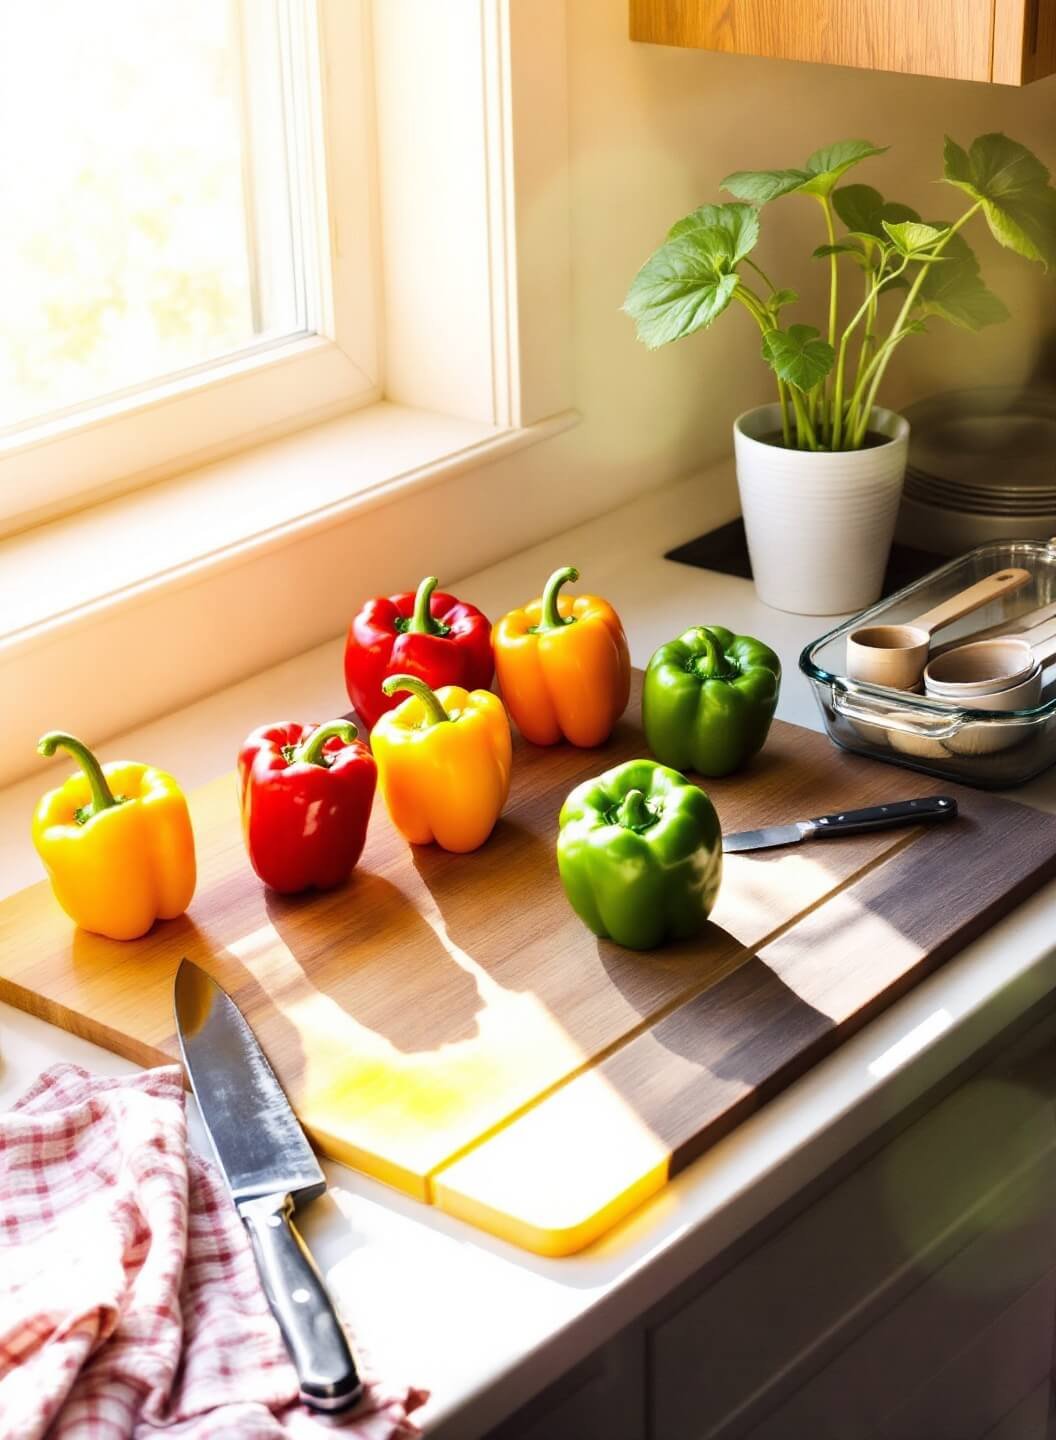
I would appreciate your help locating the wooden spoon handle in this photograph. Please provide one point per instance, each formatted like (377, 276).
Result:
(1004, 582)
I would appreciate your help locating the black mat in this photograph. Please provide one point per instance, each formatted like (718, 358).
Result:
(726, 551)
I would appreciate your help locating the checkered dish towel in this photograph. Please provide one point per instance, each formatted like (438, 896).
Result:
(129, 1300)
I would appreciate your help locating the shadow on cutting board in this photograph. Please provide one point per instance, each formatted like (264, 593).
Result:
(714, 1059)
(442, 999)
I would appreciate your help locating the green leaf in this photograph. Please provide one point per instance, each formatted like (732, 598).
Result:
(779, 299)
(956, 291)
(863, 210)
(798, 356)
(844, 247)
(740, 223)
(691, 279)
(1013, 185)
(826, 166)
(911, 236)
(760, 186)
(682, 287)
(849, 247)
(817, 177)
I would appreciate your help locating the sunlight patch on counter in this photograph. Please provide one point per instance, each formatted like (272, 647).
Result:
(921, 1036)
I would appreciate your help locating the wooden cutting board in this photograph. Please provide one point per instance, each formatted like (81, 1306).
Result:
(447, 1024)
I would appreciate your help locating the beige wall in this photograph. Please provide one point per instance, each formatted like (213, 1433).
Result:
(654, 130)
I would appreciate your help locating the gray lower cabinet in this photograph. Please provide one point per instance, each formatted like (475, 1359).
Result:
(913, 1298)
(603, 1397)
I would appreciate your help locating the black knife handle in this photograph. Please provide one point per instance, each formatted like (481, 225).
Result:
(883, 817)
(301, 1304)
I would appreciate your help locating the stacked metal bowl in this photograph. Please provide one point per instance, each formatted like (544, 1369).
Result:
(982, 466)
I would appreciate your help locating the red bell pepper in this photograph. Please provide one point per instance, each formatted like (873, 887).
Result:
(306, 793)
(429, 635)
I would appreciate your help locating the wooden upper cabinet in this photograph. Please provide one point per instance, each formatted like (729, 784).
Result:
(1009, 42)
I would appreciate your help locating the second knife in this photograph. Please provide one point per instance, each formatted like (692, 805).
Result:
(845, 822)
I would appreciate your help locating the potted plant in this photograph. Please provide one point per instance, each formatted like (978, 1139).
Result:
(820, 471)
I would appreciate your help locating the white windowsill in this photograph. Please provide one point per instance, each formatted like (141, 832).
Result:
(68, 572)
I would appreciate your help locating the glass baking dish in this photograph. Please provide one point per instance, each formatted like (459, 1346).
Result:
(987, 748)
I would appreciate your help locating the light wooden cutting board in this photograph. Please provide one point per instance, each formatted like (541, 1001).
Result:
(447, 1024)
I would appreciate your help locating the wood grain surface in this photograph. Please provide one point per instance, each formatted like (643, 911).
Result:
(615, 1134)
(419, 1009)
(952, 38)
(1024, 40)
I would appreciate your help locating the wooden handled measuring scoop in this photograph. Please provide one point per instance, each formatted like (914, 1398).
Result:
(895, 655)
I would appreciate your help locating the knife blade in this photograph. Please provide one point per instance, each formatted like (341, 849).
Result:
(927, 810)
(271, 1173)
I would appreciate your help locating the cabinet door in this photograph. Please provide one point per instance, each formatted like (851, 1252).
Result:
(883, 1280)
(604, 1396)
(1024, 40)
(1011, 41)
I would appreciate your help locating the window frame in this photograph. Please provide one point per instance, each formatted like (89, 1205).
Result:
(280, 573)
(75, 458)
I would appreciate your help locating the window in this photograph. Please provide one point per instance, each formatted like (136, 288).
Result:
(165, 244)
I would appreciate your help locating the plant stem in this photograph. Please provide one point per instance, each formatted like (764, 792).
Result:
(873, 298)
(804, 428)
(756, 307)
(863, 400)
(786, 429)
(834, 281)
(878, 279)
(766, 323)
(762, 275)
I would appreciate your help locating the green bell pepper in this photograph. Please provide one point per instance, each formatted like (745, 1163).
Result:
(708, 699)
(640, 854)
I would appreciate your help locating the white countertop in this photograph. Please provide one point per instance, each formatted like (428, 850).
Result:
(484, 1325)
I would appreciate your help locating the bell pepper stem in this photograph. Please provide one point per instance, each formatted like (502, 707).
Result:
(435, 713)
(311, 752)
(551, 617)
(102, 796)
(710, 662)
(421, 621)
(634, 812)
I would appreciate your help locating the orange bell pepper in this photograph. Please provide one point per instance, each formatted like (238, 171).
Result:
(563, 666)
(443, 760)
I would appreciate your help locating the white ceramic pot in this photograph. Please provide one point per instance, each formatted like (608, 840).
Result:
(819, 523)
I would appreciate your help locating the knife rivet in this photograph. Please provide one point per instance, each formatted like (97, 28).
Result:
(274, 1221)
(300, 1295)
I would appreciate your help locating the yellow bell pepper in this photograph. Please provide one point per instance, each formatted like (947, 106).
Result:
(117, 843)
(444, 760)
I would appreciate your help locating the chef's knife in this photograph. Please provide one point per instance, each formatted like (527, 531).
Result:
(845, 822)
(271, 1172)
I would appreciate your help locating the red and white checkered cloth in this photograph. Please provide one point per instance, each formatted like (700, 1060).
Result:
(129, 1301)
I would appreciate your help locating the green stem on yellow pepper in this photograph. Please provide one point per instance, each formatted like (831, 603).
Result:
(102, 796)
(435, 713)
